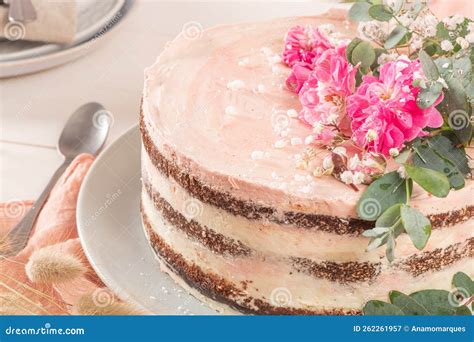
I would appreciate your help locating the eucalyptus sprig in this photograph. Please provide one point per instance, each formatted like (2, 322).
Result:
(437, 166)
(427, 302)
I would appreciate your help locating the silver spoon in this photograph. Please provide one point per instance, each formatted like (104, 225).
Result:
(85, 132)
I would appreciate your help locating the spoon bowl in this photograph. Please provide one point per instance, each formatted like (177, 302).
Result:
(85, 131)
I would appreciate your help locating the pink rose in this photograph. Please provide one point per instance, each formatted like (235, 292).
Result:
(304, 44)
(298, 76)
(384, 112)
(324, 94)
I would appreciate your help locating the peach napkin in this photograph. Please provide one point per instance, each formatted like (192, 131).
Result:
(55, 232)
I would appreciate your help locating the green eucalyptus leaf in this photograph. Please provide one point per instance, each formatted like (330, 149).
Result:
(435, 301)
(364, 54)
(439, 154)
(428, 96)
(442, 32)
(360, 12)
(429, 67)
(458, 109)
(383, 193)
(395, 37)
(447, 150)
(417, 226)
(380, 308)
(462, 68)
(432, 181)
(390, 250)
(407, 304)
(463, 281)
(381, 12)
(354, 42)
(389, 217)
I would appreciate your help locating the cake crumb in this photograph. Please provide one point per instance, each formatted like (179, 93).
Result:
(261, 88)
(244, 61)
(296, 141)
(230, 110)
(280, 143)
(256, 155)
(292, 113)
(235, 85)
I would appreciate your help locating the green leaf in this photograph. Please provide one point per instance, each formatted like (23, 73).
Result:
(439, 154)
(417, 226)
(380, 308)
(463, 281)
(424, 302)
(383, 193)
(429, 67)
(395, 37)
(458, 108)
(428, 96)
(436, 302)
(432, 181)
(364, 54)
(354, 42)
(360, 12)
(381, 12)
(389, 217)
(407, 304)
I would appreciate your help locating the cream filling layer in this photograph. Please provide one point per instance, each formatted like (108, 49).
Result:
(267, 277)
(269, 238)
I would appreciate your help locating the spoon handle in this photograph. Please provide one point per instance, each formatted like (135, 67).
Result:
(18, 237)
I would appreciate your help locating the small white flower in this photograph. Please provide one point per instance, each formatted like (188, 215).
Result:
(394, 152)
(318, 172)
(354, 162)
(358, 178)
(470, 27)
(371, 135)
(318, 127)
(309, 140)
(340, 150)
(385, 58)
(446, 45)
(347, 177)
(402, 172)
(332, 118)
(462, 42)
(470, 37)
(417, 43)
(328, 163)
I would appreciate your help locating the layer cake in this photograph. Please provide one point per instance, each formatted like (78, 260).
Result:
(230, 216)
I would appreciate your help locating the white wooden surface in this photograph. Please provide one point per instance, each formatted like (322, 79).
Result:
(34, 108)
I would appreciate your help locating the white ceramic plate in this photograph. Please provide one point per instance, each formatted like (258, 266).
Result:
(109, 224)
(36, 56)
(92, 16)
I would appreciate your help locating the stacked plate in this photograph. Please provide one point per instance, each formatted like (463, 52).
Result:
(95, 20)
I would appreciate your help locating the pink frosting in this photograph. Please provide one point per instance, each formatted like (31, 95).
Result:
(226, 134)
